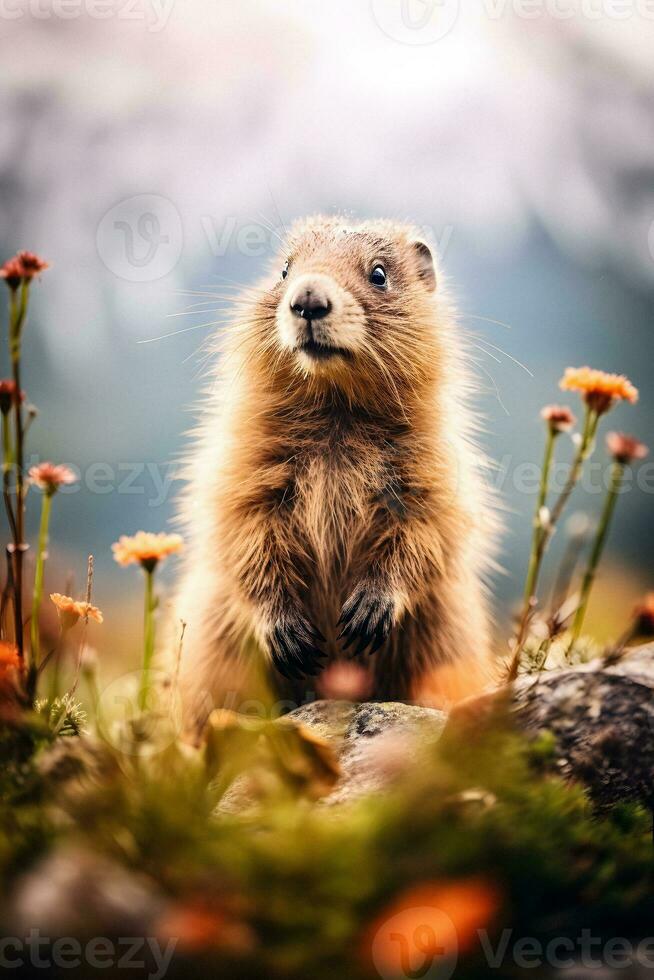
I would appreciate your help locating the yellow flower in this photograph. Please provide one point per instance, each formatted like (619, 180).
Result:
(146, 549)
(599, 389)
(70, 610)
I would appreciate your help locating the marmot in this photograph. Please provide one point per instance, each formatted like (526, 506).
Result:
(335, 505)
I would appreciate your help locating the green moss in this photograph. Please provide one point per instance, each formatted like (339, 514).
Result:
(306, 883)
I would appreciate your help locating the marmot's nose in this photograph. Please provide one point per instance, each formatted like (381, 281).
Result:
(310, 303)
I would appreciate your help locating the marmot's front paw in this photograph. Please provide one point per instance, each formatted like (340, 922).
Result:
(293, 644)
(367, 616)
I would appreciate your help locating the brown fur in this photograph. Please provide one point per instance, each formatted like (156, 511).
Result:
(310, 481)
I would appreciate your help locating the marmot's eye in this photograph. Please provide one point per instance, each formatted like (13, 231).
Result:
(378, 277)
(285, 269)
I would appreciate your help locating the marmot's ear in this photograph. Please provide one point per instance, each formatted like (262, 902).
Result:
(425, 264)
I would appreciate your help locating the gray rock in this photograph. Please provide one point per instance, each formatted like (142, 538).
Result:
(374, 742)
(602, 717)
(75, 892)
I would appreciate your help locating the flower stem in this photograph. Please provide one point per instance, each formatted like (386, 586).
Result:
(17, 313)
(7, 464)
(85, 625)
(148, 638)
(534, 566)
(535, 557)
(591, 420)
(600, 540)
(38, 578)
(542, 534)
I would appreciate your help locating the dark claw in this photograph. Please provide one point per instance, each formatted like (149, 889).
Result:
(368, 619)
(293, 643)
(350, 608)
(284, 657)
(382, 632)
(351, 637)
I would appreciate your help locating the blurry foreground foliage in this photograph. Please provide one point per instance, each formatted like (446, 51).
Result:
(290, 887)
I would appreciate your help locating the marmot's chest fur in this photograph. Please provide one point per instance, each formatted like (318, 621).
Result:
(335, 505)
(337, 488)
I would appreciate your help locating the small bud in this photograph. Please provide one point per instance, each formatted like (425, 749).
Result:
(558, 417)
(625, 449)
(644, 616)
(23, 267)
(8, 395)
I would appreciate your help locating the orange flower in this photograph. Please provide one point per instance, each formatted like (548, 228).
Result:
(146, 548)
(50, 476)
(70, 610)
(197, 927)
(11, 667)
(9, 657)
(23, 266)
(558, 417)
(598, 389)
(644, 615)
(8, 395)
(429, 924)
(625, 448)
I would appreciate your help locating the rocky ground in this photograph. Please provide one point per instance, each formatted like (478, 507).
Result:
(600, 716)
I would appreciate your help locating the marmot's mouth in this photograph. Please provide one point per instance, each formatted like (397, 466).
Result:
(322, 352)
